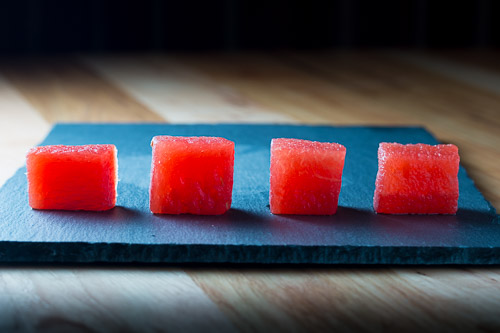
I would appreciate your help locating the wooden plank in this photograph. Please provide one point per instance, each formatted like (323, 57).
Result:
(279, 86)
(21, 127)
(104, 299)
(460, 66)
(180, 93)
(64, 90)
(356, 299)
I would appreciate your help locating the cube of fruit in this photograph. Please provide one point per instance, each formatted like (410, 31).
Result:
(72, 177)
(416, 179)
(191, 175)
(306, 176)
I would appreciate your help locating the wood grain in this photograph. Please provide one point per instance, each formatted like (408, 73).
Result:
(357, 299)
(180, 93)
(460, 67)
(104, 300)
(383, 88)
(21, 126)
(63, 90)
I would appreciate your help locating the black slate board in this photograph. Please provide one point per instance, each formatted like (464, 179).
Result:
(248, 233)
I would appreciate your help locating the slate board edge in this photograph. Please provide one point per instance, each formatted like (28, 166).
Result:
(56, 252)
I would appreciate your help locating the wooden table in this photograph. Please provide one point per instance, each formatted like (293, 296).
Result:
(456, 95)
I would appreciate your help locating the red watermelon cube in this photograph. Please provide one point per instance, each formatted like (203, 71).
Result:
(191, 175)
(72, 177)
(306, 176)
(416, 179)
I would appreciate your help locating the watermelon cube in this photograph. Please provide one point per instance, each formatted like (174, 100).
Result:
(191, 175)
(72, 177)
(416, 179)
(306, 176)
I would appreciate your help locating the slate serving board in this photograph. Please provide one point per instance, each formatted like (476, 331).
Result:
(248, 233)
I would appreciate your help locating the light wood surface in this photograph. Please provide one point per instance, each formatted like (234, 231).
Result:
(454, 94)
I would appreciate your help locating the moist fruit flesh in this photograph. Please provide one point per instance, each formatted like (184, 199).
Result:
(72, 177)
(417, 179)
(306, 176)
(191, 175)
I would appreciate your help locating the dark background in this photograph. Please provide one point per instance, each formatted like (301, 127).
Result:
(51, 26)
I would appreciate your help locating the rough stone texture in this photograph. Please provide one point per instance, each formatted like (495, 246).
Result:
(248, 233)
